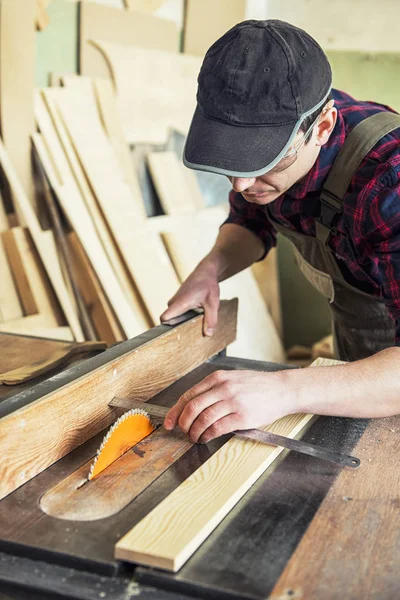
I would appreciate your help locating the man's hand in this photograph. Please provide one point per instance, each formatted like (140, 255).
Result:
(200, 290)
(229, 400)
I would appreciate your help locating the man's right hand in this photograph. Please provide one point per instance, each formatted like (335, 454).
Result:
(200, 290)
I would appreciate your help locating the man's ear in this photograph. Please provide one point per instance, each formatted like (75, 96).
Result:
(326, 125)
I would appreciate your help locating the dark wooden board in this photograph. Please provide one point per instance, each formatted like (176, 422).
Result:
(17, 350)
(352, 547)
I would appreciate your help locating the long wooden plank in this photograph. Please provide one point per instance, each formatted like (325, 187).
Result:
(177, 191)
(108, 109)
(10, 305)
(36, 325)
(267, 277)
(72, 170)
(41, 244)
(17, 72)
(188, 244)
(25, 292)
(200, 503)
(103, 316)
(124, 27)
(129, 314)
(19, 242)
(77, 411)
(3, 216)
(352, 547)
(162, 95)
(200, 32)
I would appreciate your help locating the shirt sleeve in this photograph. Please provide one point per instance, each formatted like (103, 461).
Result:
(253, 217)
(383, 238)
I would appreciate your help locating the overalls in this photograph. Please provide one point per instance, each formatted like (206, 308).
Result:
(362, 325)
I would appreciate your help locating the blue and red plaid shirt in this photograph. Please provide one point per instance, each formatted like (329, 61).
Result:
(368, 239)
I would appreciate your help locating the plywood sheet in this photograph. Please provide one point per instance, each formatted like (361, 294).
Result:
(201, 31)
(124, 27)
(10, 305)
(36, 325)
(188, 244)
(72, 170)
(17, 72)
(161, 95)
(177, 187)
(78, 215)
(43, 244)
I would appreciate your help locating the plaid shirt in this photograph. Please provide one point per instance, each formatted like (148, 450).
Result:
(368, 240)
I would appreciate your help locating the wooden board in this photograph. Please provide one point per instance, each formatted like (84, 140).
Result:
(144, 254)
(177, 190)
(125, 27)
(140, 372)
(72, 173)
(42, 18)
(161, 95)
(36, 286)
(102, 315)
(17, 72)
(267, 277)
(200, 503)
(65, 186)
(108, 109)
(36, 325)
(45, 250)
(189, 242)
(15, 348)
(3, 216)
(22, 285)
(352, 547)
(10, 305)
(201, 31)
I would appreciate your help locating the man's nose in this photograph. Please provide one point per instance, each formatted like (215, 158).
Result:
(240, 184)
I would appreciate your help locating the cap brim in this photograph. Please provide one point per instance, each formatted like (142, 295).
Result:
(234, 150)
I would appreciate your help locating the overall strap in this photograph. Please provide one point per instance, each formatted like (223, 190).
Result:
(356, 146)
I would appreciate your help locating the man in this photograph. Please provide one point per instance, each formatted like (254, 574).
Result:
(267, 119)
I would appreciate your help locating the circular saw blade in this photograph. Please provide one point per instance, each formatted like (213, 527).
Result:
(127, 431)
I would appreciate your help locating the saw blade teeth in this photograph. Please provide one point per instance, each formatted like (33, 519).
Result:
(129, 413)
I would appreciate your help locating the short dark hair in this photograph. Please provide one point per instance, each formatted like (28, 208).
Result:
(308, 121)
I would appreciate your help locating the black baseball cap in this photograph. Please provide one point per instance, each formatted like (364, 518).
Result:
(257, 84)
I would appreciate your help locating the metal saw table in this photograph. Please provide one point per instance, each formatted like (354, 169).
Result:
(306, 529)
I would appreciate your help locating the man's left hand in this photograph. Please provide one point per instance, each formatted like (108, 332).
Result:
(229, 400)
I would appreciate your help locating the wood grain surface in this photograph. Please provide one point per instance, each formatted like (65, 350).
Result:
(77, 411)
(352, 547)
(119, 484)
(15, 348)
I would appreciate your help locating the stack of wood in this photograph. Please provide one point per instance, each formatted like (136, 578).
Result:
(111, 270)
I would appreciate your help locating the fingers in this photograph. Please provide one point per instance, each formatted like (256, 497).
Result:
(177, 307)
(212, 383)
(227, 424)
(207, 419)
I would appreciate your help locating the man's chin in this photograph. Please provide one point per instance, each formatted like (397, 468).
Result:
(264, 198)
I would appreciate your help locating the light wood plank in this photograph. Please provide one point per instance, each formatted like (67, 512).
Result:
(101, 226)
(19, 242)
(188, 243)
(201, 31)
(103, 317)
(200, 503)
(17, 72)
(42, 246)
(75, 412)
(42, 19)
(177, 191)
(162, 95)
(267, 277)
(14, 257)
(36, 325)
(65, 185)
(10, 305)
(108, 109)
(3, 216)
(124, 27)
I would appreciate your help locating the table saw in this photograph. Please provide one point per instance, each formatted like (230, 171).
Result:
(306, 528)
